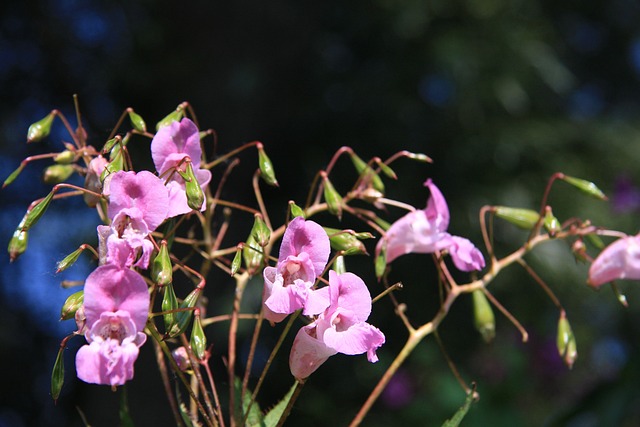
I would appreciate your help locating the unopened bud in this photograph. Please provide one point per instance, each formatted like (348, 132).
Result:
(419, 157)
(71, 305)
(367, 175)
(136, 121)
(55, 174)
(579, 250)
(195, 195)
(198, 340)
(40, 129)
(331, 196)
(345, 241)
(295, 210)
(174, 116)
(65, 157)
(551, 223)
(260, 232)
(521, 218)
(586, 187)
(57, 375)
(566, 341)
(161, 268)
(484, 319)
(181, 358)
(266, 167)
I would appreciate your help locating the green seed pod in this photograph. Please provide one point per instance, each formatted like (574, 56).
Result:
(161, 268)
(566, 341)
(332, 197)
(195, 195)
(174, 116)
(110, 144)
(17, 244)
(169, 303)
(184, 317)
(346, 241)
(237, 260)
(366, 173)
(57, 375)
(198, 340)
(295, 210)
(484, 319)
(521, 218)
(71, 305)
(33, 216)
(64, 157)
(253, 255)
(69, 260)
(55, 174)
(136, 121)
(13, 175)
(260, 232)
(386, 169)
(381, 262)
(40, 129)
(266, 167)
(420, 157)
(586, 187)
(551, 223)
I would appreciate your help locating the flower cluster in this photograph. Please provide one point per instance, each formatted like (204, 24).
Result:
(342, 308)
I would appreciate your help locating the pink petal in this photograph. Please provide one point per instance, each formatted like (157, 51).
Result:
(307, 353)
(306, 236)
(270, 277)
(437, 209)
(349, 292)
(106, 362)
(357, 339)
(619, 260)
(181, 138)
(465, 255)
(317, 301)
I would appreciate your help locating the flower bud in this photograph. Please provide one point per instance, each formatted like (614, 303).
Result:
(161, 268)
(237, 260)
(295, 210)
(260, 232)
(586, 187)
(182, 358)
(57, 375)
(579, 250)
(484, 319)
(169, 303)
(198, 340)
(55, 174)
(367, 175)
(346, 241)
(17, 244)
(33, 216)
(195, 195)
(566, 342)
(331, 196)
(551, 223)
(174, 116)
(266, 167)
(40, 129)
(521, 218)
(253, 255)
(136, 121)
(386, 169)
(64, 157)
(419, 157)
(71, 305)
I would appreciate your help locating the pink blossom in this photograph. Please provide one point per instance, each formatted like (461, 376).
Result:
(169, 147)
(619, 260)
(116, 306)
(288, 286)
(92, 179)
(341, 328)
(425, 231)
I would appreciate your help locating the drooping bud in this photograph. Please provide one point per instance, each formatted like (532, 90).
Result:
(237, 260)
(367, 174)
(266, 167)
(55, 174)
(551, 223)
(253, 255)
(169, 303)
(295, 210)
(40, 129)
(347, 241)
(198, 340)
(484, 319)
(161, 268)
(566, 342)
(585, 186)
(339, 265)
(33, 216)
(521, 218)
(174, 116)
(182, 358)
(71, 305)
(17, 244)
(57, 375)
(331, 196)
(64, 157)
(136, 121)
(260, 232)
(195, 195)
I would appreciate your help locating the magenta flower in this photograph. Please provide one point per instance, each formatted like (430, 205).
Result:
(138, 204)
(425, 231)
(341, 328)
(304, 252)
(169, 147)
(116, 306)
(619, 260)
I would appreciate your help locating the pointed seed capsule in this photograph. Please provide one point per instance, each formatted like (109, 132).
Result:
(551, 223)
(237, 260)
(295, 210)
(40, 129)
(55, 174)
(17, 244)
(13, 175)
(174, 116)
(69, 260)
(366, 173)
(184, 317)
(198, 340)
(331, 196)
(585, 186)
(260, 231)
(521, 218)
(483, 316)
(71, 305)
(161, 268)
(136, 121)
(195, 195)
(33, 216)
(381, 262)
(253, 255)
(566, 341)
(346, 241)
(64, 157)
(169, 303)
(266, 167)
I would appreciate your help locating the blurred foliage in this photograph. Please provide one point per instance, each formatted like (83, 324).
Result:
(500, 93)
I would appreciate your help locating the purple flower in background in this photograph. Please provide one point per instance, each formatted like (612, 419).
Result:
(619, 260)
(116, 306)
(626, 196)
(169, 147)
(341, 328)
(304, 253)
(425, 231)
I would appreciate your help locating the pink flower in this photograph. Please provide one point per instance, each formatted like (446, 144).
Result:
(169, 147)
(116, 307)
(341, 328)
(304, 252)
(425, 231)
(619, 260)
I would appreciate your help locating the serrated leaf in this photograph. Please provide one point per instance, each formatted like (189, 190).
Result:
(255, 417)
(272, 417)
(460, 414)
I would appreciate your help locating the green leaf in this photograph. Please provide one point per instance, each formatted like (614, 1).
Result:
(125, 417)
(460, 414)
(272, 417)
(57, 375)
(255, 417)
